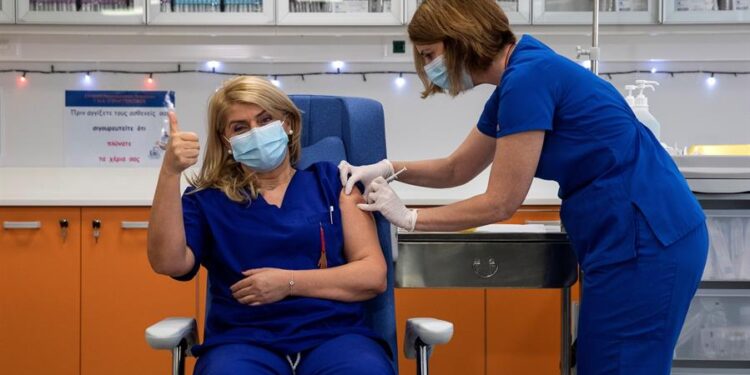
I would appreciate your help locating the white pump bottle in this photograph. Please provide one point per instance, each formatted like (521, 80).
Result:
(630, 99)
(640, 107)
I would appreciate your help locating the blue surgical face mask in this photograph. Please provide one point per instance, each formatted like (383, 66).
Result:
(261, 149)
(438, 75)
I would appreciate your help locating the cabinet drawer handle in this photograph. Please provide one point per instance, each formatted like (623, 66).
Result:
(485, 272)
(134, 225)
(22, 224)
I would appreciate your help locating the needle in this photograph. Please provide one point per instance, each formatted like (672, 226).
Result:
(393, 176)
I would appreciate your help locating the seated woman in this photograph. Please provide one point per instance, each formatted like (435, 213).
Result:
(289, 256)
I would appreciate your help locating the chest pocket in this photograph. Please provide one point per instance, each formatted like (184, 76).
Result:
(332, 233)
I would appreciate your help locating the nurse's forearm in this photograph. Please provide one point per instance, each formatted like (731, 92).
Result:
(473, 212)
(167, 250)
(434, 173)
(352, 282)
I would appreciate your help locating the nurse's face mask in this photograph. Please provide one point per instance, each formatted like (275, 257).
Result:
(261, 149)
(437, 72)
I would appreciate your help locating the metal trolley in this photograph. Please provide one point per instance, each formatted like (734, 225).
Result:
(492, 260)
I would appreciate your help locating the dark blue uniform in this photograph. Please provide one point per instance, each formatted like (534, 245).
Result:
(637, 230)
(228, 238)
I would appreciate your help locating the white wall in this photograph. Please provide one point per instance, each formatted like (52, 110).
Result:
(31, 117)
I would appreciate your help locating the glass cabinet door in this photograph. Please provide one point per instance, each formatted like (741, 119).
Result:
(81, 12)
(211, 12)
(518, 11)
(611, 11)
(717, 328)
(340, 12)
(7, 11)
(706, 11)
(729, 245)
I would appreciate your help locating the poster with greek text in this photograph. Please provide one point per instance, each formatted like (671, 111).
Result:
(115, 128)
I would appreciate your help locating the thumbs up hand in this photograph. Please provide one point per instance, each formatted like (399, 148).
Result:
(183, 148)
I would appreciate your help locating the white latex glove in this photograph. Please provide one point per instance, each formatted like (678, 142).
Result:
(364, 173)
(382, 198)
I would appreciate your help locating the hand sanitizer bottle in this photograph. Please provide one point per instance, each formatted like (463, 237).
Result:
(640, 108)
(630, 99)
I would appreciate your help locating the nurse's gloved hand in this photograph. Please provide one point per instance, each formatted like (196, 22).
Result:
(262, 286)
(381, 197)
(364, 173)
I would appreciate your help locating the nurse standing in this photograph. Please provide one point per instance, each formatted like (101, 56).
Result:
(638, 232)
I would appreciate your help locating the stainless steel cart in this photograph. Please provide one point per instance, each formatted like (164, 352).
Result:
(492, 260)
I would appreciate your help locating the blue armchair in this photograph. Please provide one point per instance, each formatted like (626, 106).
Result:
(334, 129)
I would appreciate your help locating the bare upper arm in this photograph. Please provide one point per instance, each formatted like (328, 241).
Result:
(513, 168)
(360, 233)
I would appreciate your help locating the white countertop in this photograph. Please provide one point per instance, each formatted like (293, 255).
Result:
(135, 187)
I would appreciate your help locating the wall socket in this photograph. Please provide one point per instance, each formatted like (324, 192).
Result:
(399, 47)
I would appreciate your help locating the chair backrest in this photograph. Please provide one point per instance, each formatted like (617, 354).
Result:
(360, 125)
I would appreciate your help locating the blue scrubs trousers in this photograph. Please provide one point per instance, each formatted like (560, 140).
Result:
(632, 312)
(344, 355)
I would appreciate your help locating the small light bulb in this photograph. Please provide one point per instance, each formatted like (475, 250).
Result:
(653, 70)
(87, 78)
(586, 64)
(21, 80)
(338, 64)
(213, 64)
(711, 81)
(276, 82)
(400, 81)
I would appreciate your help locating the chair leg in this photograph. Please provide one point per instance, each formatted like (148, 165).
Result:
(178, 358)
(422, 357)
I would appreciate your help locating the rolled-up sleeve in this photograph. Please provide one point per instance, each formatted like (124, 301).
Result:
(527, 100)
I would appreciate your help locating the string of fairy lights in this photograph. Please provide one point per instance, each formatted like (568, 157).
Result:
(338, 69)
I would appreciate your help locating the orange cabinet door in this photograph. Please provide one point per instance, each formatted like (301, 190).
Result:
(121, 296)
(464, 354)
(39, 291)
(523, 331)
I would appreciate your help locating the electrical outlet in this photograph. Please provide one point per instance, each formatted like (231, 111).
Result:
(399, 46)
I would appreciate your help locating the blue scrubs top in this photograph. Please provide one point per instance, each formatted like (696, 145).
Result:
(228, 238)
(607, 163)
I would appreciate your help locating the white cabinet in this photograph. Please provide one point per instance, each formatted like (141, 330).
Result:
(340, 12)
(7, 11)
(729, 245)
(706, 11)
(81, 12)
(610, 11)
(716, 333)
(211, 12)
(518, 11)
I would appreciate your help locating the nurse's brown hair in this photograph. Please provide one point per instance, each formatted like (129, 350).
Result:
(473, 32)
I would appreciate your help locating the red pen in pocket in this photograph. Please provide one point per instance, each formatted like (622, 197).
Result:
(322, 262)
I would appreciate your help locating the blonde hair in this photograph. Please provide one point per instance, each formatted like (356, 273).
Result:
(219, 169)
(473, 32)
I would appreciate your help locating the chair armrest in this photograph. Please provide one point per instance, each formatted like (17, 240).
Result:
(168, 333)
(430, 331)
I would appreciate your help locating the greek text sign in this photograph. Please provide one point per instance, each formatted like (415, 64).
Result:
(114, 128)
